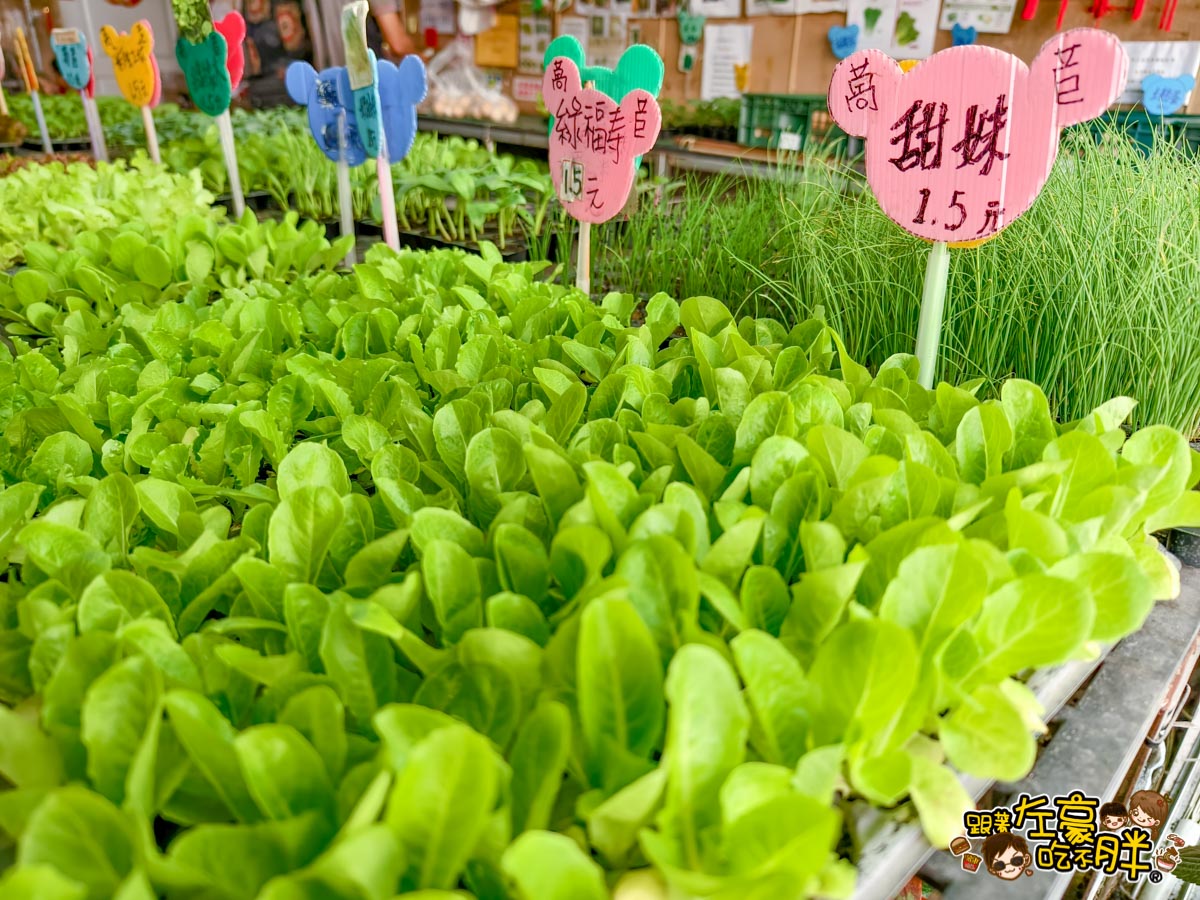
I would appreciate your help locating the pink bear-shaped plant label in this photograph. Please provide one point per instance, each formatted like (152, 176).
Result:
(960, 145)
(595, 142)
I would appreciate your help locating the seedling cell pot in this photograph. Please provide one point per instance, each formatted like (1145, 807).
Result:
(1185, 544)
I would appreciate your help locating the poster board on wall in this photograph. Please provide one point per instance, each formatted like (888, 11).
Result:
(791, 53)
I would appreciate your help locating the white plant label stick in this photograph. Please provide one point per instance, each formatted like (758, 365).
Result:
(343, 182)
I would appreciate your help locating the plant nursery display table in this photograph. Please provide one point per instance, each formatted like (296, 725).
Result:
(1095, 739)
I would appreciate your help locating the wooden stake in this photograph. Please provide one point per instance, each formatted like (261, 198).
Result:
(583, 263)
(151, 134)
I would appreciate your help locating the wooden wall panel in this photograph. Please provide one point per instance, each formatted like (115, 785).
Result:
(792, 55)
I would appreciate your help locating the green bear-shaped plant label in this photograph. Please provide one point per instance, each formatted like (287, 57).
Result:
(203, 65)
(691, 28)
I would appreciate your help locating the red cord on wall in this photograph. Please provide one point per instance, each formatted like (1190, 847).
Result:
(1030, 10)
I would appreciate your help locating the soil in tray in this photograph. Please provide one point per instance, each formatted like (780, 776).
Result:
(516, 251)
(256, 200)
(34, 142)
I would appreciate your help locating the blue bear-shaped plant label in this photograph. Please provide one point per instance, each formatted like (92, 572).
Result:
(843, 40)
(639, 67)
(1163, 96)
(962, 36)
(401, 89)
(328, 96)
(73, 56)
(203, 64)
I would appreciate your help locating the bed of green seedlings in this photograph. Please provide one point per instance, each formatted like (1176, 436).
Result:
(703, 117)
(64, 115)
(451, 188)
(56, 203)
(1090, 294)
(434, 576)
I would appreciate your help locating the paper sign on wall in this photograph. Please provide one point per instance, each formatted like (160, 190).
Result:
(1166, 58)
(133, 61)
(537, 30)
(74, 58)
(726, 48)
(595, 142)
(499, 46)
(876, 21)
(526, 89)
(903, 29)
(438, 15)
(716, 9)
(961, 145)
(915, 29)
(772, 7)
(575, 27)
(985, 16)
(607, 40)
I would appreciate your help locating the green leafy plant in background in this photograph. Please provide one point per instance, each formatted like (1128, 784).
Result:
(64, 114)
(1055, 299)
(434, 576)
(452, 189)
(55, 204)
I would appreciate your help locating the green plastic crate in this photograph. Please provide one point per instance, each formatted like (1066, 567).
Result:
(784, 121)
(1144, 129)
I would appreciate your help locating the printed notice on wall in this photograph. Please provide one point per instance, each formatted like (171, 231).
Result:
(576, 27)
(717, 9)
(903, 29)
(439, 15)
(985, 16)
(607, 40)
(816, 7)
(499, 46)
(526, 89)
(876, 21)
(536, 31)
(726, 50)
(1169, 59)
(915, 29)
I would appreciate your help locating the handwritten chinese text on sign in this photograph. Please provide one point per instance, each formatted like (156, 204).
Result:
(134, 65)
(960, 146)
(595, 141)
(74, 58)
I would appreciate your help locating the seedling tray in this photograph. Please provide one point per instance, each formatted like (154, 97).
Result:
(516, 251)
(34, 142)
(784, 121)
(255, 200)
(1094, 741)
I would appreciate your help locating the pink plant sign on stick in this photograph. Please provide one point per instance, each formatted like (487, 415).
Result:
(960, 145)
(595, 142)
